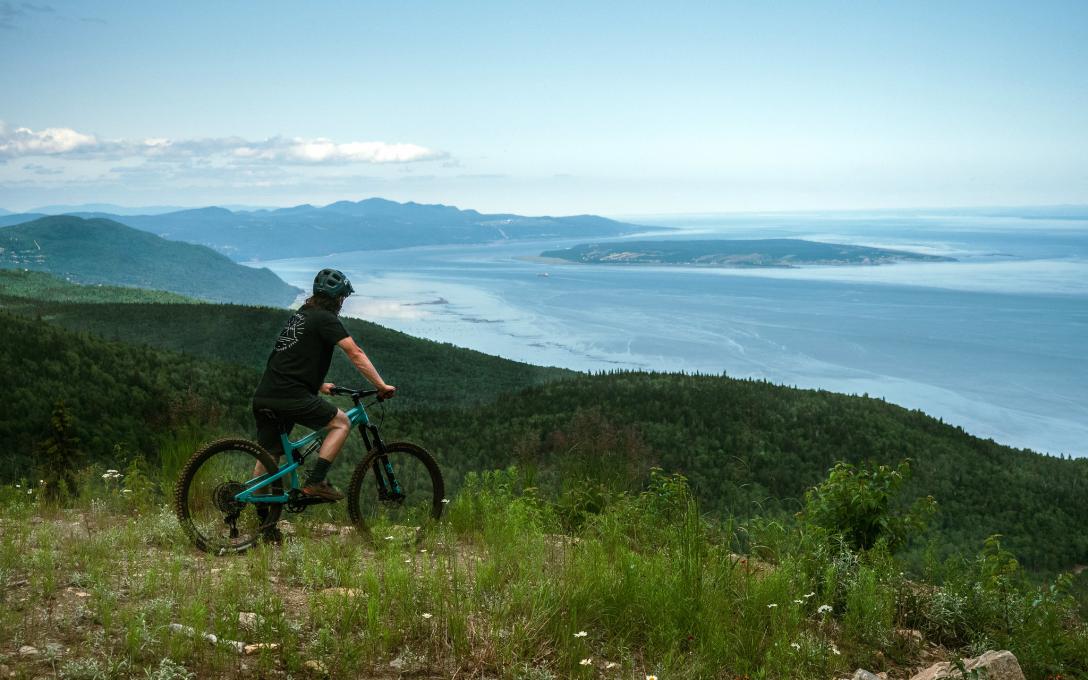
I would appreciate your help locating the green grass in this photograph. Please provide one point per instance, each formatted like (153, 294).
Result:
(646, 585)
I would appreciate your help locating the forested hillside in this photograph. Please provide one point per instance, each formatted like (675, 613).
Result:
(427, 372)
(747, 447)
(102, 251)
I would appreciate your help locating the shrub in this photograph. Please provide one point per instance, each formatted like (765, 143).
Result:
(859, 505)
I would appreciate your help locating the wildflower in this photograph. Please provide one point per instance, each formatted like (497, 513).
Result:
(651, 677)
(798, 601)
(407, 560)
(771, 605)
(426, 615)
(795, 646)
(29, 491)
(389, 538)
(823, 609)
(126, 490)
(586, 662)
(810, 595)
(445, 500)
(581, 633)
(423, 550)
(834, 649)
(18, 486)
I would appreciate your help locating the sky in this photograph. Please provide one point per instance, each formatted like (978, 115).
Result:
(545, 107)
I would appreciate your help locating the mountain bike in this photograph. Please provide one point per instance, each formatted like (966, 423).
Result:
(232, 492)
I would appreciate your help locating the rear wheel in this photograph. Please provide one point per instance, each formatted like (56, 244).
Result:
(204, 497)
(400, 499)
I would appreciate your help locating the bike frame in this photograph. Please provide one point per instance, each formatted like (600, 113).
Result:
(357, 416)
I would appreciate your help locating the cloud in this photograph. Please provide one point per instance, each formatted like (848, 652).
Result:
(71, 144)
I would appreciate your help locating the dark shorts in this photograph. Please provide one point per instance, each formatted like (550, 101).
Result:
(310, 411)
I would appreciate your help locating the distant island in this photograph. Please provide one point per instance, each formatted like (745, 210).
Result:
(776, 252)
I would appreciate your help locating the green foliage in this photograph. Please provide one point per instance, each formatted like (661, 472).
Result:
(859, 504)
(40, 286)
(58, 456)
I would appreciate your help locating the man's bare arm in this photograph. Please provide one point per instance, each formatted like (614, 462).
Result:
(362, 362)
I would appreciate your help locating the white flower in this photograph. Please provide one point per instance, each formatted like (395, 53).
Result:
(771, 605)
(798, 601)
(651, 677)
(408, 561)
(427, 616)
(810, 595)
(445, 500)
(581, 633)
(126, 490)
(389, 538)
(586, 662)
(795, 646)
(29, 491)
(823, 609)
(423, 550)
(834, 649)
(18, 486)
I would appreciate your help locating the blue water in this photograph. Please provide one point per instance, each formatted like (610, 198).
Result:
(994, 342)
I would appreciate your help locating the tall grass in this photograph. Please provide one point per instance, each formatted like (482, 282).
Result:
(514, 583)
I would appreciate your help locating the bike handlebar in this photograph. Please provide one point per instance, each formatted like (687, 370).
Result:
(355, 394)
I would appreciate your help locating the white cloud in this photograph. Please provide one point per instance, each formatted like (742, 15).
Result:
(18, 142)
(68, 143)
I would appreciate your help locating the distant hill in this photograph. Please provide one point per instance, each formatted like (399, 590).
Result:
(734, 253)
(45, 287)
(102, 251)
(371, 224)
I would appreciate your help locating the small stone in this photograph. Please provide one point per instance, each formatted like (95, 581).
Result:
(316, 667)
(862, 674)
(27, 650)
(77, 592)
(397, 663)
(249, 620)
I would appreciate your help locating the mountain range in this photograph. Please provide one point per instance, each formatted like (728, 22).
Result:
(370, 224)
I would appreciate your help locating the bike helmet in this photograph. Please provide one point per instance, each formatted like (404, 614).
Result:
(333, 283)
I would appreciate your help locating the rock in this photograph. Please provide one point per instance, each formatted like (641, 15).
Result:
(862, 674)
(250, 650)
(1000, 665)
(27, 650)
(250, 620)
(316, 667)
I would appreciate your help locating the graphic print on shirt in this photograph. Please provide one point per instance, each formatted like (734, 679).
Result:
(291, 332)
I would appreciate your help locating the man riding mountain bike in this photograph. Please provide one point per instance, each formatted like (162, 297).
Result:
(295, 373)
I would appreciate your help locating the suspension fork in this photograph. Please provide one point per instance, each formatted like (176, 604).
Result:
(388, 486)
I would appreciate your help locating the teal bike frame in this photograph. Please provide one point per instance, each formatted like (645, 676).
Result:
(357, 416)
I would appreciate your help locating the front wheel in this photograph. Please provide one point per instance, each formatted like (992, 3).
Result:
(204, 496)
(397, 492)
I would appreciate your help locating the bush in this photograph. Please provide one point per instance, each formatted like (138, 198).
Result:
(859, 505)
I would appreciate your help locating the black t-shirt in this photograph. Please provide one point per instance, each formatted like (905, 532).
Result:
(299, 361)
